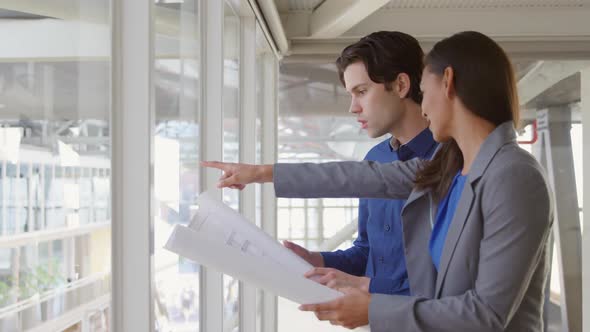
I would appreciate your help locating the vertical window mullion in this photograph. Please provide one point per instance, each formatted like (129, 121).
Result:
(248, 152)
(132, 122)
(269, 156)
(211, 294)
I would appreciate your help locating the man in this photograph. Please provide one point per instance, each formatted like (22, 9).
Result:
(382, 73)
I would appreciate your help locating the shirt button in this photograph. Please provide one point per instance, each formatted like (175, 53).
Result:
(387, 228)
(381, 259)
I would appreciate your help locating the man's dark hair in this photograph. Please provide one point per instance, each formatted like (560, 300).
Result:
(386, 54)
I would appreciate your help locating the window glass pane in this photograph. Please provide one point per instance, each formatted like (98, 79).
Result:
(262, 49)
(55, 95)
(312, 229)
(283, 227)
(265, 61)
(334, 220)
(176, 157)
(297, 224)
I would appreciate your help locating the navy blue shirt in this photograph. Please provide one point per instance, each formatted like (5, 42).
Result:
(444, 216)
(378, 251)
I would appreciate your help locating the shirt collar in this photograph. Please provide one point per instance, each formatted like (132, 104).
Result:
(419, 146)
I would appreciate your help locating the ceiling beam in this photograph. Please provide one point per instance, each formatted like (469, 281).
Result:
(518, 47)
(497, 22)
(544, 75)
(334, 17)
(573, 113)
(272, 20)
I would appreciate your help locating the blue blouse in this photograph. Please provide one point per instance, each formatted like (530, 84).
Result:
(444, 217)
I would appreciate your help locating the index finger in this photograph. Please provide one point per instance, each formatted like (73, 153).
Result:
(317, 271)
(215, 164)
(326, 306)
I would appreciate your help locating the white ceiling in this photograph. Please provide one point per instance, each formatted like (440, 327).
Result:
(314, 30)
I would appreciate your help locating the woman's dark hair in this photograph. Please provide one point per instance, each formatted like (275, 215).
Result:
(386, 54)
(484, 81)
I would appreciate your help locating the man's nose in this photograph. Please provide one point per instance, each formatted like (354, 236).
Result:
(354, 108)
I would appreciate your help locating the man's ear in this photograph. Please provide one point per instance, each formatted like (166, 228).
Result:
(448, 82)
(402, 85)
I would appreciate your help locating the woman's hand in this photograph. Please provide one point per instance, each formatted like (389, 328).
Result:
(337, 279)
(237, 176)
(350, 310)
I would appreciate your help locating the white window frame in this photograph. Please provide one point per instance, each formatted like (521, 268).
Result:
(248, 308)
(132, 123)
(211, 124)
(269, 202)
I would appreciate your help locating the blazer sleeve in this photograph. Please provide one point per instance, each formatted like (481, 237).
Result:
(517, 216)
(362, 179)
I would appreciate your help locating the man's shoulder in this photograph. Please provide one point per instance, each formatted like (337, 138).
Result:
(379, 149)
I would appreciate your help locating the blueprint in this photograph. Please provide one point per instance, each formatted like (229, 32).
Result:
(220, 238)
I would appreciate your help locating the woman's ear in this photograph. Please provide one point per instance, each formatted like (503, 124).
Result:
(448, 82)
(403, 85)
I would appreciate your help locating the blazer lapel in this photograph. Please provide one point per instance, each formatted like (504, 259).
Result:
(461, 215)
(503, 134)
(414, 195)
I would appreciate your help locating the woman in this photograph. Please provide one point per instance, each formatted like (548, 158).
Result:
(477, 216)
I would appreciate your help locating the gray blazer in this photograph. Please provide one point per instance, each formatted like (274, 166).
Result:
(494, 263)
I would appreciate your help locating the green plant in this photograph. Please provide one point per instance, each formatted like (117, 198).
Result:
(43, 279)
(54, 268)
(5, 291)
(27, 285)
(40, 279)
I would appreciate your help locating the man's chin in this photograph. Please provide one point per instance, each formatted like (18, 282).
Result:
(374, 134)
